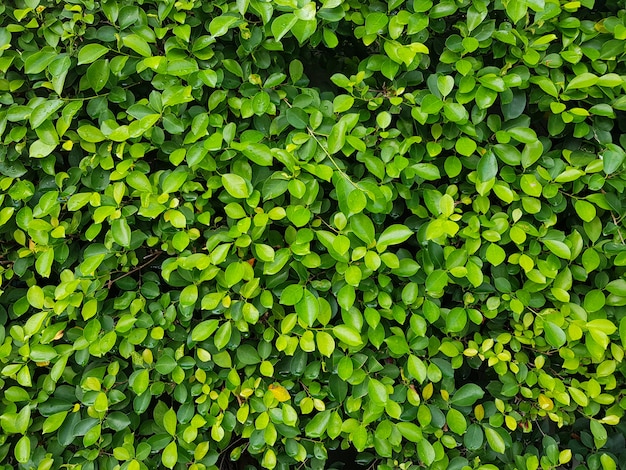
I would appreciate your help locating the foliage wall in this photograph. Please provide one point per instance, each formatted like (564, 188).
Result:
(272, 230)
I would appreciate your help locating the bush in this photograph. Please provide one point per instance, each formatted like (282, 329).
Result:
(275, 231)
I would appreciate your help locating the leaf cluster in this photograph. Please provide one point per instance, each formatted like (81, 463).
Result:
(273, 231)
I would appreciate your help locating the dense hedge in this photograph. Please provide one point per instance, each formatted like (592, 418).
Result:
(272, 230)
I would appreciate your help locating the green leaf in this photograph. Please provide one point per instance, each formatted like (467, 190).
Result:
(170, 421)
(437, 281)
(456, 421)
(90, 53)
(259, 154)
(427, 171)
(375, 23)
(37, 62)
(292, 294)
(363, 227)
(426, 452)
(317, 426)
(120, 230)
(169, 457)
(467, 395)
(139, 381)
(139, 181)
(236, 185)
(558, 248)
(35, 298)
(584, 80)
(325, 343)
(189, 295)
(308, 308)
(137, 44)
(600, 435)
(43, 353)
(90, 134)
(347, 335)
(141, 126)
(54, 422)
(456, 320)
(487, 167)
(220, 25)
(42, 112)
(516, 9)
(495, 254)
(282, 25)
(101, 403)
(585, 210)
(555, 336)
(342, 103)
(417, 368)
(377, 392)
(465, 146)
(22, 450)
(393, 235)
(223, 334)
(602, 325)
(410, 431)
(297, 117)
(98, 74)
(445, 84)
(174, 181)
(40, 149)
(612, 158)
(383, 119)
(337, 137)
(204, 330)
(43, 264)
(455, 112)
(495, 440)
(474, 437)
(485, 98)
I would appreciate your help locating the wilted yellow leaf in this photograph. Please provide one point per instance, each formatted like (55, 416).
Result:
(510, 422)
(280, 392)
(545, 403)
(479, 412)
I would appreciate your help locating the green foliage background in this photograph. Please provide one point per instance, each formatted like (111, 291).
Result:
(279, 228)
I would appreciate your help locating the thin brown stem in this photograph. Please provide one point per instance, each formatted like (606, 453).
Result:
(134, 270)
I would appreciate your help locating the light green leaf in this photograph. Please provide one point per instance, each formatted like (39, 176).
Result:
(487, 167)
(121, 232)
(348, 335)
(42, 112)
(22, 450)
(426, 452)
(90, 53)
(137, 44)
(427, 171)
(467, 395)
(393, 235)
(584, 80)
(325, 343)
(282, 24)
(456, 421)
(170, 421)
(555, 336)
(235, 185)
(220, 25)
(204, 330)
(169, 457)
(558, 248)
(410, 431)
(495, 440)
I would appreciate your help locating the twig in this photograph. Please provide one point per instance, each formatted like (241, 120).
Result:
(134, 270)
